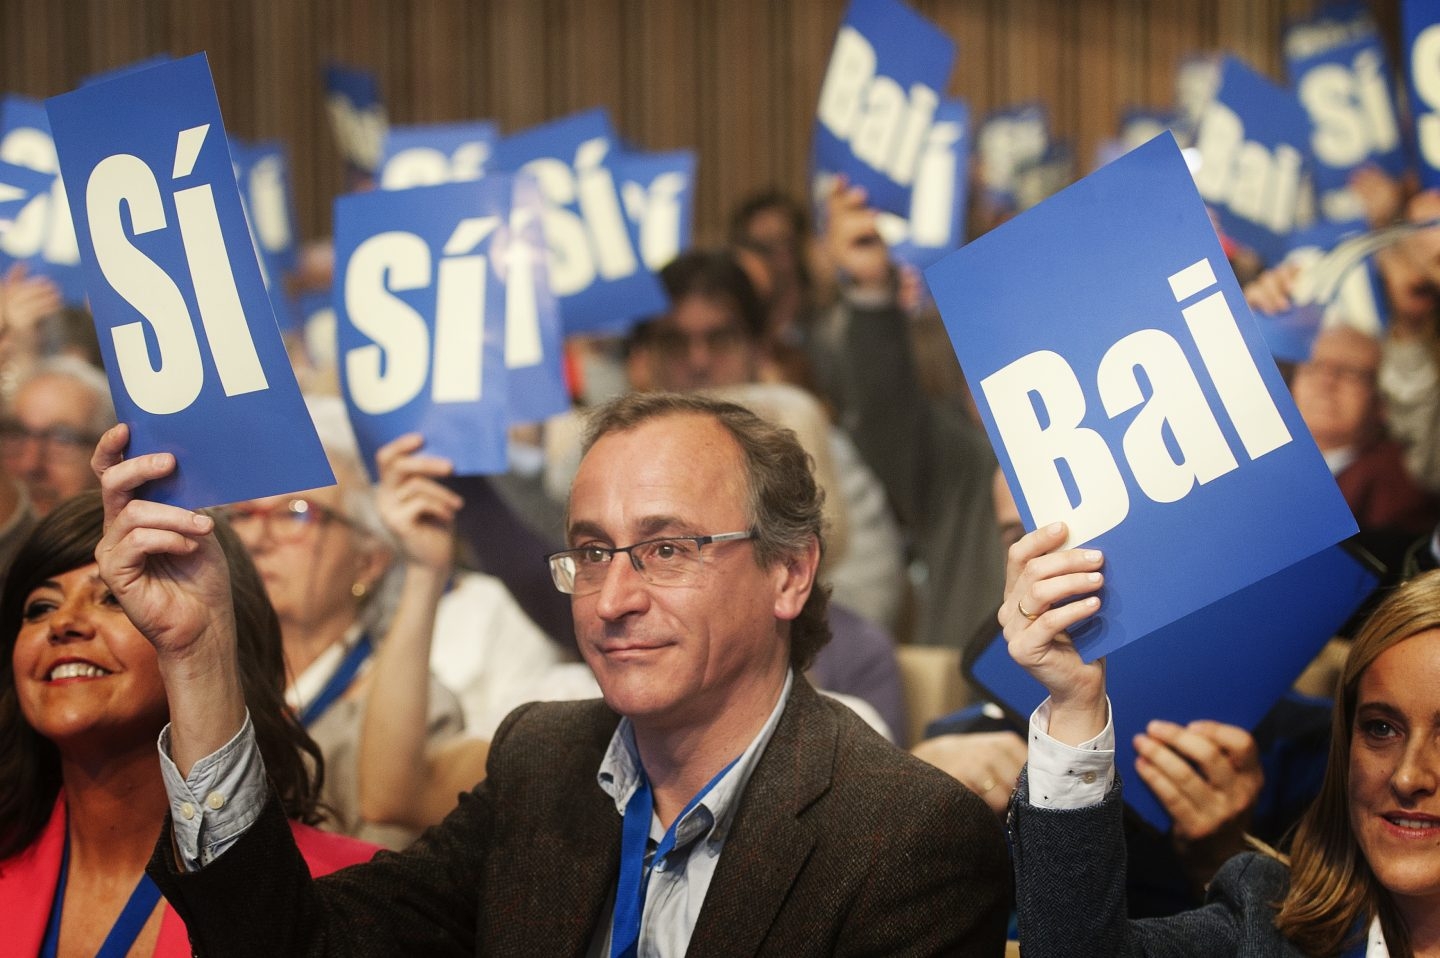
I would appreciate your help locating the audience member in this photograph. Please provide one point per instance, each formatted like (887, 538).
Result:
(812, 836)
(51, 422)
(81, 705)
(1361, 876)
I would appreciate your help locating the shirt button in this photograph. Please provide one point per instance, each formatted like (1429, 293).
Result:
(187, 811)
(1088, 778)
(215, 800)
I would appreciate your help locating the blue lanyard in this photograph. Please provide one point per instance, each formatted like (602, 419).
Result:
(634, 870)
(126, 928)
(339, 681)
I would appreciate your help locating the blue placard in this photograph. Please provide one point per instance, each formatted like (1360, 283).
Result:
(886, 75)
(436, 153)
(420, 319)
(1006, 141)
(357, 115)
(1127, 392)
(1327, 289)
(196, 364)
(534, 340)
(18, 186)
(936, 223)
(262, 171)
(596, 271)
(1421, 29)
(1333, 25)
(42, 235)
(1253, 147)
(1346, 92)
(1230, 662)
(659, 194)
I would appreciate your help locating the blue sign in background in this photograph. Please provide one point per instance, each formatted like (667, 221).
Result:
(1230, 662)
(357, 115)
(889, 69)
(1254, 146)
(1058, 287)
(596, 270)
(436, 153)
(659, 194)
(404, 367)
(262, 171)
(1420, 20)
(534, 341)
(1291, 333)
(1346, 90)
(18, 186)
(149, 159)
(42, 236)
(936, 224)
(1004, 142)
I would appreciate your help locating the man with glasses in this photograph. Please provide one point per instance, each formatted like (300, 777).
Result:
(712, 804)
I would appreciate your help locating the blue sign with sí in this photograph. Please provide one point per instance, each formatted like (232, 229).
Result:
(1162, 434)
(1254, 146)
(436, 153)
(420, 318)
(887, 72)
(596, 270)
(195, 361)
(658, 190)
(1333, 25)
(357, 115)
(41, 235)
(18, 186)
(262, 171)
(1420, 21)
(1346, 92)
(1251, 644)
(534, 340)
(936, 224)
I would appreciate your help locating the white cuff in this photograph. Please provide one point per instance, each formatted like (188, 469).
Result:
(221, 799)
(1069, 776)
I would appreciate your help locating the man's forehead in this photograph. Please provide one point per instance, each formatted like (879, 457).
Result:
(673, 465)
(52, 399)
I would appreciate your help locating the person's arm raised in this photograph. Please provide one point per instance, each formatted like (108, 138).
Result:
(167, 570)
(1035, 614)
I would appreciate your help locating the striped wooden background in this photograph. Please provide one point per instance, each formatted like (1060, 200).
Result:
(735, 79)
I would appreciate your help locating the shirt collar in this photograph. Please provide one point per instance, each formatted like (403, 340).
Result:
(620, 770)
(1340, 459)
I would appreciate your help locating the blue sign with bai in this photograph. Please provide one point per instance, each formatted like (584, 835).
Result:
(659, 194)
(262, 171)
(878, 99)
(420, 319)
(596, 271)
(436, 153)
(41, 235)
(936, 223)
(195, 361)
(1163, 434)
(1421, 28)
(1253, 145)
(1346, 92)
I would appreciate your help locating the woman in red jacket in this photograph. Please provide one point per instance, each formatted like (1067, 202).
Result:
(81, 707)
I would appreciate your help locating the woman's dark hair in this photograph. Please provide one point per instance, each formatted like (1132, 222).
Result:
(715, 274)
(30, 764)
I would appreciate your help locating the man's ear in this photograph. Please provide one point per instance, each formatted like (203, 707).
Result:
(794, 578)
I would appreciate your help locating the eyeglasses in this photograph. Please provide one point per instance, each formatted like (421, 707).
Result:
(673, 342)
(56, 442)
(284, 521)
(670, 561)
(1340, 372)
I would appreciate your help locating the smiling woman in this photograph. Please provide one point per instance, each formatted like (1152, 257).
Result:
(81, 707)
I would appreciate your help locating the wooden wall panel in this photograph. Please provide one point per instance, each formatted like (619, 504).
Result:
(735, 79)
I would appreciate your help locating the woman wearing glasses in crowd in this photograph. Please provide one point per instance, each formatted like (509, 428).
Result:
(81, 707)
(334, 571)
(1362, 878)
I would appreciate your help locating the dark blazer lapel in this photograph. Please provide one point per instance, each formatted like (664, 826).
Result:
(569, 865)
(768, 845)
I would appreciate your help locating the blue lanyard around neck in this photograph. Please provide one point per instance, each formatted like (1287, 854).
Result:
(340, 680)
(126, 928)
(634, 870)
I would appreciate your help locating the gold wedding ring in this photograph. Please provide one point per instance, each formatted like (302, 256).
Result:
(1021, 608)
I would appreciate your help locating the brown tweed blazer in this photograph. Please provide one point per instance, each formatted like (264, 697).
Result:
(842, 845)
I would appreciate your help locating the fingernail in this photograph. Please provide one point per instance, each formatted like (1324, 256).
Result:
(200, 521)
(1054, 528)
(1093, 577)
(1092, 555)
